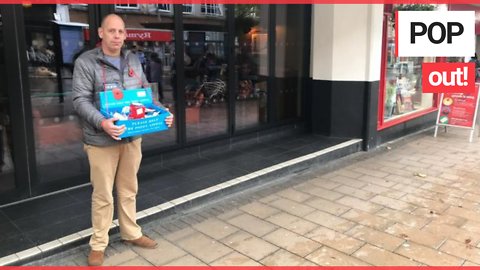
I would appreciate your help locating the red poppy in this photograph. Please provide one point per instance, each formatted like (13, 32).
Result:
(130, 72)
(117, 93)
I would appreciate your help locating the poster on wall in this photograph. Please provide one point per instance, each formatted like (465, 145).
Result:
(458, 110)
(72, 42)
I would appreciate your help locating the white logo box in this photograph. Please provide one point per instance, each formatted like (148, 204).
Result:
(461, 46)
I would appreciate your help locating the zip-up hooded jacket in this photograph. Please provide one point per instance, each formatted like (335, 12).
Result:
(92, 74)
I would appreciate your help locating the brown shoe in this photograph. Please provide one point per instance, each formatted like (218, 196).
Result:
(143, 242)
(95, 258)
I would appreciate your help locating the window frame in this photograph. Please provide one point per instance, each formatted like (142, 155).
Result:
(127, 6)
(164, 10)
(187, 6)
(206, 8)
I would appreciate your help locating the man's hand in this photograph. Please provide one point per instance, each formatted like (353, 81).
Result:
(111, 129)
(169, 119)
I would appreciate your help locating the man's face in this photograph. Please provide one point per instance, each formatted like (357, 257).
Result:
(113, 35)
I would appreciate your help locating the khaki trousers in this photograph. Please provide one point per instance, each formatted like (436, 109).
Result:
(114, 165)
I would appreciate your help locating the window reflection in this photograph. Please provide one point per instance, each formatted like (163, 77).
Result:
(403, 79)
(205, 63)
(251, 65)
(211, 9)
(55, 36)
(164, 7)
(7, 180)
(187, 8)
(127, 6)
(150, 36)
(289, 67)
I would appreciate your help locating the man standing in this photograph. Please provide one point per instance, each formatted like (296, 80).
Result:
(113, 161)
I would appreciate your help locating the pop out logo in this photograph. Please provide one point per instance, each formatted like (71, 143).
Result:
(448, 77)
(435, 33)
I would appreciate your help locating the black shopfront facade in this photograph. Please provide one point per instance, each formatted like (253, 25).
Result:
(228, 71)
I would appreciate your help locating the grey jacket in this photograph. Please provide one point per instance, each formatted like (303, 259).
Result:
(91, 73)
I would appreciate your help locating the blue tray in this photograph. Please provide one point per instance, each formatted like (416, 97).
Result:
(109, 104)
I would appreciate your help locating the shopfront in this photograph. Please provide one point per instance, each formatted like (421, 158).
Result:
(223, 70)
(401, 98)
(359, 88)
(402, 106)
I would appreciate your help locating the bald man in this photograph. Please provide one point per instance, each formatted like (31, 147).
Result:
(113, 161)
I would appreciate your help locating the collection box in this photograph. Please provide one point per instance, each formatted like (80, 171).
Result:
(135, 109)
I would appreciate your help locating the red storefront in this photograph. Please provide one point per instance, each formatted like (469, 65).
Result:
(400, 96)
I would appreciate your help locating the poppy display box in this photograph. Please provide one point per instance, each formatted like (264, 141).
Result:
(135, 109)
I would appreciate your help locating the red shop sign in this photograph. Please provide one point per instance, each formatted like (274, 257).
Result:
(148, 35)
(143, 35)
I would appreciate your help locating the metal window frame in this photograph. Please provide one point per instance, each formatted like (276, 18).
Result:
(180, 89)
(272, 93)
(232, 80)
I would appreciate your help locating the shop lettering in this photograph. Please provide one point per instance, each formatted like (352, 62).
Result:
(142, 36)
(458, 77)
(418, 29)
(435, 33)
(448, 77)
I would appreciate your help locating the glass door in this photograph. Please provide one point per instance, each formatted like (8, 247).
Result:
(205, 70)
(289, 61)
(55, 35)
(251, 65)
(7, 168)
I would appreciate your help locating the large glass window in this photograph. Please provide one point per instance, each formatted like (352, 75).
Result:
(289, 64)
(150, 36)
(402, 92)
(7, 180)
(205, 76)
(251, 65)
(55, 37)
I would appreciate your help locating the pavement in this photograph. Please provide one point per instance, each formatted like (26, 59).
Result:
(414, 201)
